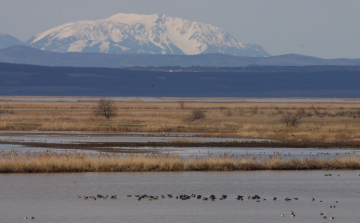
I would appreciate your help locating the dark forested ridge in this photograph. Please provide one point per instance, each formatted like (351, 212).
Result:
(30, 55)
(251, 81)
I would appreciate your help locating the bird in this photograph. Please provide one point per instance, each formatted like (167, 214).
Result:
(25, 217)
(282, 215)
(153, 85)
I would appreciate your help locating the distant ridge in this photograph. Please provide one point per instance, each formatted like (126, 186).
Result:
(30, 55)
(7, 40)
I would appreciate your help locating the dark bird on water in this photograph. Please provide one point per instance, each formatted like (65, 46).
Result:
(153, 85)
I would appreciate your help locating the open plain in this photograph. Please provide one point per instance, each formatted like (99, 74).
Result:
(314, 122)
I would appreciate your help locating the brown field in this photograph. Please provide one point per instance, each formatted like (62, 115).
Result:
(48, 161)
(320, 122)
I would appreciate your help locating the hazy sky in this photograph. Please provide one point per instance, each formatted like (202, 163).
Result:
(321, 28)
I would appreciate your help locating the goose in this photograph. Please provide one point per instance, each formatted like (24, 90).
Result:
(282, 215)
(25, 217)
(331, 217)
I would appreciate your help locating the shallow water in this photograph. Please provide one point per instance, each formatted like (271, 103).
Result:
(82, 137)
(270, 100)
(53, 197)
(288, 153)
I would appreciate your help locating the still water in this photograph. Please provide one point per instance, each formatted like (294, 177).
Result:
(83, 137)
(269, 100)
(54, 197)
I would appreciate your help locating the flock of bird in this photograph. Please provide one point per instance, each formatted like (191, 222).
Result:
(212, 197)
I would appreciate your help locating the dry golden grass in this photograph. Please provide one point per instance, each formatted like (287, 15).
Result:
(48, 161)
(325, 122)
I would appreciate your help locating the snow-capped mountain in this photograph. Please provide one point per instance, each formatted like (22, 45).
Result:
(147, 34)
(7, 40)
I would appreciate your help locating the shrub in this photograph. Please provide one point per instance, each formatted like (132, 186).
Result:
(197, 114)
(290, 119)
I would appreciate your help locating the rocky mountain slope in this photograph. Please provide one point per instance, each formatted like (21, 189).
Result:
(144, 34)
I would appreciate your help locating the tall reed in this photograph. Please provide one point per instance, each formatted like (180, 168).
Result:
(51, 161)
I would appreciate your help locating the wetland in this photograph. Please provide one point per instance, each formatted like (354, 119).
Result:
(52, 152)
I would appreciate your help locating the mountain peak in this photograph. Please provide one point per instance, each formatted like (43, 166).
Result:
(147, 34)
(7, 40)
(134, 18)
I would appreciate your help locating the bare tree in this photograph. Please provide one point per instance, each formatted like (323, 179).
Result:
(106, 108)
(197, 114)
(290, 118)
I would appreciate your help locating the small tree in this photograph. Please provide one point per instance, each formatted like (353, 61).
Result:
(106, 108)
(197, 114)
(290, 118)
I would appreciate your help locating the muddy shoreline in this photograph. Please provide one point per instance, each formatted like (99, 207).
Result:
(120, 146)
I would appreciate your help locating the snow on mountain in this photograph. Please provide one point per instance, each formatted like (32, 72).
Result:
(146, 34)
(7, 40)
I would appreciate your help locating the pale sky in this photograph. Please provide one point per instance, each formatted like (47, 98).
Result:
(320, 28)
